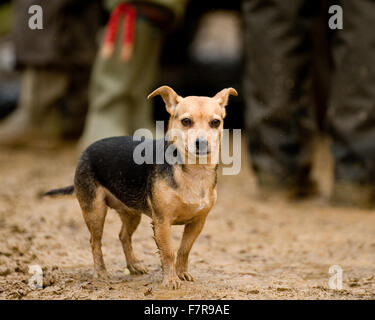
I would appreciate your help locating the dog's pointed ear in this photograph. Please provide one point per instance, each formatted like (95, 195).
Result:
(222, 97)
(170, 97)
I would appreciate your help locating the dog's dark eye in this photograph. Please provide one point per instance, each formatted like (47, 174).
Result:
(186, 122)
(215, 123)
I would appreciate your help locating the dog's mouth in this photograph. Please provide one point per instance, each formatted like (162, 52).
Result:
(197, 152)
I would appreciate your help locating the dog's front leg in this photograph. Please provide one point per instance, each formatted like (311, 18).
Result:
(191, 232)
(162, 231)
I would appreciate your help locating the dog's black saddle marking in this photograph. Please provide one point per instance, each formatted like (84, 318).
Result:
(112, 164)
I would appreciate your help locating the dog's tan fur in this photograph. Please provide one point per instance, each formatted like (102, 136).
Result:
(187, 204)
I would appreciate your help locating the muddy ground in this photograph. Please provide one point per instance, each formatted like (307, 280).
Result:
(250, 248)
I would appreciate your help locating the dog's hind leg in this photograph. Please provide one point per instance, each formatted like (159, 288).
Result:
(94, 216)
(92, 199)
(130, 222)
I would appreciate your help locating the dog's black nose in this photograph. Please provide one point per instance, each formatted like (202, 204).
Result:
(201, 145)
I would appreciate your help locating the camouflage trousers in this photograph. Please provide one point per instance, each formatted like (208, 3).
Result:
(298, 72)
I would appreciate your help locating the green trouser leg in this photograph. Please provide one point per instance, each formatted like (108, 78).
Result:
(118, 94)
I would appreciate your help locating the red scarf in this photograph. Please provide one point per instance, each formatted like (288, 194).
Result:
(128, 11)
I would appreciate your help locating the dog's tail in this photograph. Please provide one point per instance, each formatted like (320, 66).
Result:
(62, 191)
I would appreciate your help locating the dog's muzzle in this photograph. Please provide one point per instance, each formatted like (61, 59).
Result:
(201, 146)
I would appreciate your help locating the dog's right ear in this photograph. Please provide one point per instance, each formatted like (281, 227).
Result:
(170, 97)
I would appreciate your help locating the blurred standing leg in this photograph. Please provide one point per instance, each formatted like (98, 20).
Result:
(278, 91)
(52, 105)
(351, 112)
(36, 113)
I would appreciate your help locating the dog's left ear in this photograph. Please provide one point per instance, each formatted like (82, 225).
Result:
(222, 98)
(170, 97)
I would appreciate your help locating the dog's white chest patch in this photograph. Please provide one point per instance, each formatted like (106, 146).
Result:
(202, 205)
(197, 190)
(197, 200)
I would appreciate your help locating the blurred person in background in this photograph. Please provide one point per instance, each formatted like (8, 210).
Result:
(125, 69)
(9, 84)
(55, 65)
(279, 92)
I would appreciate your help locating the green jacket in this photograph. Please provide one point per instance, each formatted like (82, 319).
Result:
(176, 6)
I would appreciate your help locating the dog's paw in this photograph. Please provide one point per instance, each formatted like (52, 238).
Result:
(101, 275)
(185, 276)
(171, 282)
(137, 268)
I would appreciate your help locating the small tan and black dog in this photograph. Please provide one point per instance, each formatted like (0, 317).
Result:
(181, 193)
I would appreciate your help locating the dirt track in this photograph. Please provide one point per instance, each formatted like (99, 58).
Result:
(249, 248)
